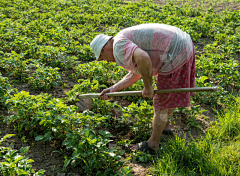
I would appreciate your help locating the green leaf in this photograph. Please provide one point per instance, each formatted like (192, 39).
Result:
(39, 137)
(23, 150)
(22, 172)
(18, 158)
(30, 161)
(8, 136)
(40, 172)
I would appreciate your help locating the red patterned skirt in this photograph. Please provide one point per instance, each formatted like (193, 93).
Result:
(184, 77)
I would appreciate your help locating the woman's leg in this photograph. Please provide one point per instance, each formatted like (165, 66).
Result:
(160, 119)
(170, 113)
(159, 122)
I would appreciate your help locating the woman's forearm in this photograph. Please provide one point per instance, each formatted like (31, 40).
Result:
(127, 81)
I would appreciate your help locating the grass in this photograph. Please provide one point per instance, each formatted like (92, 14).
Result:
(217, 153)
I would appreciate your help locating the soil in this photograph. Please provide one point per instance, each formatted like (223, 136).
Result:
(43, 152)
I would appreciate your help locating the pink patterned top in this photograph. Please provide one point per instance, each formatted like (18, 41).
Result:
(168, 47)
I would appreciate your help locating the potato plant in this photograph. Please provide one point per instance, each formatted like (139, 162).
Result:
(139, 117)
(105, 73)
(15, 65)
(15, 162)
(85, 86)
(89, 148)
(40, 113)
(44, 78)
(6, 91)
(47, 118)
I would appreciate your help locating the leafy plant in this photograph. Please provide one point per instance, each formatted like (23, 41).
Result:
(105, 73)
(58, 33)
(139, 117)
(142, 157)
(44, 78)
(15, 65)
(192, 114)
(125, 143)
(5, 90)
(103, 107)
(126, 171)
(40, 113)
(85, 86)
(89, 149)
(47, 118)
(14, 162)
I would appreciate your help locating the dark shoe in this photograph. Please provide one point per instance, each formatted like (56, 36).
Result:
(143, 146)
(168, 132)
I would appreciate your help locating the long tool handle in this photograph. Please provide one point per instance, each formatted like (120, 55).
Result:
(130, 93)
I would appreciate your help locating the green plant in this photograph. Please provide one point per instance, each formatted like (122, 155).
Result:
(228, 124)
(47, 118)
(142, 157)
(5, 90)
(105, 73)
(40, 113)
(180, 157)
(85, 86)
(103, 107)
(192, 114)
(125, 143)
(139, 117)
(14, 163)
(58, 33)
(89, 149)
(216, 153)
(126, 171)
(15, 65)
(44, 78)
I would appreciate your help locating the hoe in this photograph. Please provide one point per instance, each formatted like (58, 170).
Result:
(86, 102)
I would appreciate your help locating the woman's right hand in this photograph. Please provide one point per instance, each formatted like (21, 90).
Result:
(103, 94)
(148, 92)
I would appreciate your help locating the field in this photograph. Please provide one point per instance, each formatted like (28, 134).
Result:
(46, 61)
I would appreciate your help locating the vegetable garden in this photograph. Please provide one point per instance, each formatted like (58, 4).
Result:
(46, 61)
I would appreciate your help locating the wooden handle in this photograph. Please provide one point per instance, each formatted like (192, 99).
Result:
(130, 93)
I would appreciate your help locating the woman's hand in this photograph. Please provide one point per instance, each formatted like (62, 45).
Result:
(104, 95)
(127, 81)
(148, 92)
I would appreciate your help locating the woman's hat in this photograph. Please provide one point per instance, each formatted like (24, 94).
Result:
(98, 43)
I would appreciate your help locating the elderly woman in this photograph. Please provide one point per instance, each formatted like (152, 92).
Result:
(148, 50)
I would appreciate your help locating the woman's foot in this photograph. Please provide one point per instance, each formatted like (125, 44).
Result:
(145, 146)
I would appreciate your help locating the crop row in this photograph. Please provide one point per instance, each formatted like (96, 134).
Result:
(46, 118)
(60, 40)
